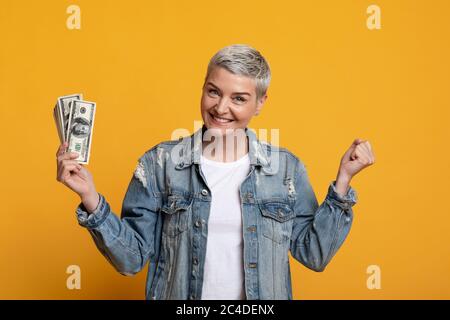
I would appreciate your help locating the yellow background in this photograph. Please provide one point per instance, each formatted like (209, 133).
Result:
(143, 62)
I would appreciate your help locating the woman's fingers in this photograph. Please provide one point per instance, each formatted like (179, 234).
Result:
(349, 154)
(369, 147)
(66, 162)
(67, 156)
(65, 172)
(368, 151)
(68, 171)
(61, 154)
(83, 172)
(65, 168)
(62, 148)
(361, 149)
(362, 155)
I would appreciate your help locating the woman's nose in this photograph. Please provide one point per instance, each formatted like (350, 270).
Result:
(222, 106)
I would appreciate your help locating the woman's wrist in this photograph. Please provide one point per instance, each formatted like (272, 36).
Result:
(342, 183)
(90, 201)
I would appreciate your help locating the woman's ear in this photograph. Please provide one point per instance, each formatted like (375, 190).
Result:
(260, 103)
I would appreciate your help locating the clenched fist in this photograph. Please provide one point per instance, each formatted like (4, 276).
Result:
(356, 158)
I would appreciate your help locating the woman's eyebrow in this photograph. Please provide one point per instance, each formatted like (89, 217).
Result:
(212, 84)
(216, 87)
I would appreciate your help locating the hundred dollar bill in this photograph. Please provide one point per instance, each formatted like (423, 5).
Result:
(58, 125)
(64, 111)
(80, 129)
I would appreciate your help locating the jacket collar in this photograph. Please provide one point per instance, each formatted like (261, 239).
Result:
(191, 150)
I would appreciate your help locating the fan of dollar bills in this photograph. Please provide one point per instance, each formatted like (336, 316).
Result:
(74, 120)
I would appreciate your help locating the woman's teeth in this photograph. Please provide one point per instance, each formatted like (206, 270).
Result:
(221, 119)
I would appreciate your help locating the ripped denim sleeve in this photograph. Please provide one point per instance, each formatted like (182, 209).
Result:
(129, 241)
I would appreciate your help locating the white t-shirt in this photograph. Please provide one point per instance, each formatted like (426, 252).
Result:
(224, 265)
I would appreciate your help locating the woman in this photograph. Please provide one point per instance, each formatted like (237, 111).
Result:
(217, 213)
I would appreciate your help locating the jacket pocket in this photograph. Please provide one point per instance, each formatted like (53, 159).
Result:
(276, 220)
(176, 214)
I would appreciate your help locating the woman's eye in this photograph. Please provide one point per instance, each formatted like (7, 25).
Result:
(213, 91)
(240, 99)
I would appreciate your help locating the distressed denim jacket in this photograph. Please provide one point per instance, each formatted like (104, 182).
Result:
(164, 221)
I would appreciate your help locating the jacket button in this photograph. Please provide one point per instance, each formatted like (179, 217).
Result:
(180, 165)
(198, 223)
(192, 296)
(252, 265)
(204, 192)
(251, 229)
(195, 261)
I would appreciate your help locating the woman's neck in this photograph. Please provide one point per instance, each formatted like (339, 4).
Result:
(225, 148)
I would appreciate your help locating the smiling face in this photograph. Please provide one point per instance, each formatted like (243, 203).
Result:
(229, 101)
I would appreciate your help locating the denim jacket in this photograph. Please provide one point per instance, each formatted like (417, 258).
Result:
(164, 221)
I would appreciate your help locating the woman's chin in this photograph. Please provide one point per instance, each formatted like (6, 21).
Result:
(211, 125)
(221, 131)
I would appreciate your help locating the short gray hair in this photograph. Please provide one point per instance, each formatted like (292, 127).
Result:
(241, 59)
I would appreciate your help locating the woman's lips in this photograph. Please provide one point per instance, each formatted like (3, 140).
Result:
(220, 121)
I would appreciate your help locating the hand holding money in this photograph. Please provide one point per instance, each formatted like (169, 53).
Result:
(74, 120)
(76, 177)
